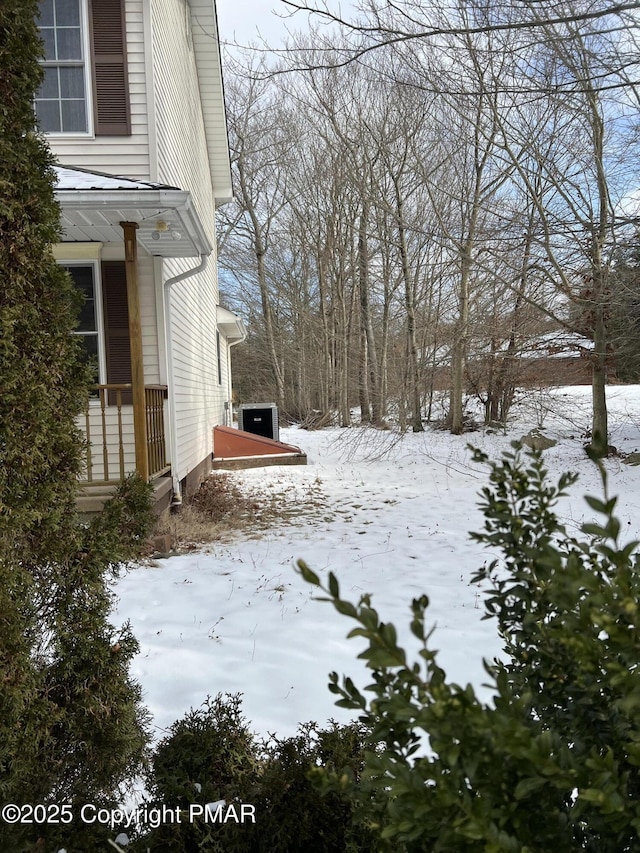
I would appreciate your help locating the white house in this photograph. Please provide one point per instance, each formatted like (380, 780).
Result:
(132, 105)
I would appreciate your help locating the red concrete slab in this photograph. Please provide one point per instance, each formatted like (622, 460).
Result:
(229, 443)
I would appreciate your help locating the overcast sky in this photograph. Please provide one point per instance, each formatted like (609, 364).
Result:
(244, 21)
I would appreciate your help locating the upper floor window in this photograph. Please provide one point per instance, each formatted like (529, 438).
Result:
(62, 103)
(85, 86)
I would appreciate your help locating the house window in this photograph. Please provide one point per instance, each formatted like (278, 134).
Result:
(85, 85)
(62, 103)
(86, 278)
(219, 358)
(103, 324)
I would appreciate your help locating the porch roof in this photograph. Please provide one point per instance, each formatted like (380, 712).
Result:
(94, 204)
(231, 326)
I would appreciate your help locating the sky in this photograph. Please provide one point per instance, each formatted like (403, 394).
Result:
(246, 21)
(258, 21)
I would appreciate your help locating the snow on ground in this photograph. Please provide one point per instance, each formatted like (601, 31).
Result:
(391, 517)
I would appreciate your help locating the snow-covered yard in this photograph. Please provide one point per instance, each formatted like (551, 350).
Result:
(390, 517)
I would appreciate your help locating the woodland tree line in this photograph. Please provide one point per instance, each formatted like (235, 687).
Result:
(424, 194)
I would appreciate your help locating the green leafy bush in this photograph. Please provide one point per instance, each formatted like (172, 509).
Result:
(296, 814)
(552, 765)
(210, 755)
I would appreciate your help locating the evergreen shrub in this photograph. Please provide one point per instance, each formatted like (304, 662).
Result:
(211, 755)
(72, 728)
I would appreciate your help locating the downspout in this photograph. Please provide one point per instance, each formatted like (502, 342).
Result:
(176, 502)
(229, 390)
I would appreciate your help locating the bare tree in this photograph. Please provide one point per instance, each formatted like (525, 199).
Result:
(568, 162)
(453, 190)
(258, 148)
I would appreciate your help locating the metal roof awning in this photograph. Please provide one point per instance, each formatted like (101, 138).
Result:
(231, 326)
(93, 205)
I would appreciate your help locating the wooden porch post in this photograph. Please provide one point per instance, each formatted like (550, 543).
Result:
(135, 338)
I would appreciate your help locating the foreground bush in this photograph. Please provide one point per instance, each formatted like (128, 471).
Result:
(92, 738)
(72, 729)
(210, 755)
(553, 764)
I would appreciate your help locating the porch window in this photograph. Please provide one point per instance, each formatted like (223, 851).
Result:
(62, 102)
(104, 321)
(86, 279)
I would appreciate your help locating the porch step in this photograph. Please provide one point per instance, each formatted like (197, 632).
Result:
(91, 499)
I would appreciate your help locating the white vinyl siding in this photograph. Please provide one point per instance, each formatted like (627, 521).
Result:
(182, 157)
(148, 319)
(199, 399)
(182, 160)
(118, 155)
(168, 145)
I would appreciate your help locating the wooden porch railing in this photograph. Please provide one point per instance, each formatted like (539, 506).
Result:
(155, 396)
(109, 431)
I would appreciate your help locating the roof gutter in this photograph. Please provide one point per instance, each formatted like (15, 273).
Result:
(176, 503)
(160, 201)
(95, 197)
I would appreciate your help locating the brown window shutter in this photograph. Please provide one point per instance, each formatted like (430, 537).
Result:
(110, 82)
(116, 326)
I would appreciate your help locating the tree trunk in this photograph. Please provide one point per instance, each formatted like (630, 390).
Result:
(458, 358)
(409, 300)
(267, 314)
(600, 428)
(369, 374)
